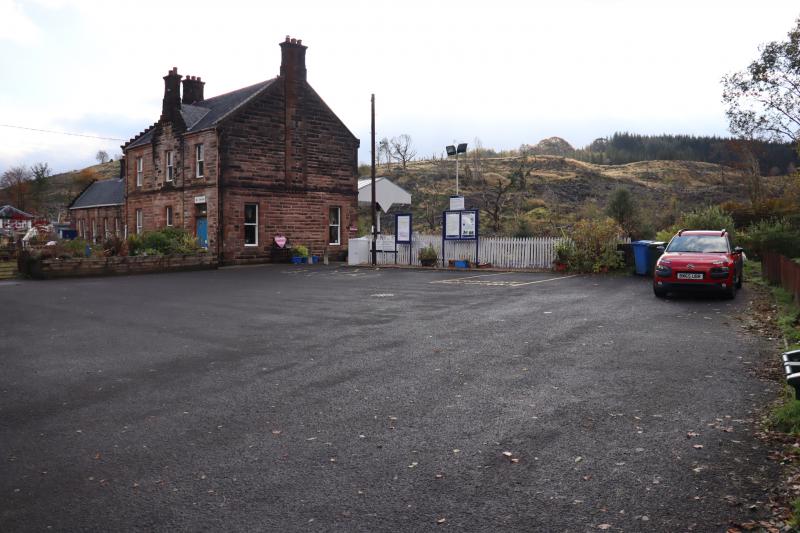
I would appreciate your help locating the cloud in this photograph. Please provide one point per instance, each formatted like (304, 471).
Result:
(15, 25)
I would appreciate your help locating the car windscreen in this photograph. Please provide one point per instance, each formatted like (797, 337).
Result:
(698, 244)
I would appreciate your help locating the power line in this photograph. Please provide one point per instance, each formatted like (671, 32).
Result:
(62, 133)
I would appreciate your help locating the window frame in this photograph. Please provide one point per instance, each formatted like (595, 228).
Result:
(170, 160)
(139, 171)
(106, 235)
(199, 160)
(139, 221)
(254, 224)
(170, 216)
(338, 225)
(116, 226)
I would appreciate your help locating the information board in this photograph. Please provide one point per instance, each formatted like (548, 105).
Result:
(460, 225)
(402, 228)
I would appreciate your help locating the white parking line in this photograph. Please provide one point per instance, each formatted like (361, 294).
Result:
(545, 280)
(470, 280)
(458, 280)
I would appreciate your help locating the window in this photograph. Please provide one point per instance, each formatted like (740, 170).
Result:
(139, 222)
(106, 235)
(198, 158)
(169, 215)
(251, 224)
(94, 230)
(82, 228)
(116, 226)
(334, 230)
(170, 166)
(139, 171)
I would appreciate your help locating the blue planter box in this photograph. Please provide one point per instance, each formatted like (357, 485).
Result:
(298, 260)
(462, 264)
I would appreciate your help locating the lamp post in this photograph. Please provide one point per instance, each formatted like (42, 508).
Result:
(453, 150)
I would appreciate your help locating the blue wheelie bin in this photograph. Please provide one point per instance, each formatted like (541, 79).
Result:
(641, 258)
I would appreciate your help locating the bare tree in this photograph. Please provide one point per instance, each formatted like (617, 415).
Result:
(101, 156)
(494, 199)
(385, 153)
(402, 149)
(476, 160)
(432, 200)
(16, 182)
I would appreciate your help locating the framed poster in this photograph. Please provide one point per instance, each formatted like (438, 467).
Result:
(452, 225)
(468, 225)
(402, 228)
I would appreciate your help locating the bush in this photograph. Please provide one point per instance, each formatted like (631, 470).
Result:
(594, 246)
(776, 235)
(428, 254)
(168, 241)
(300, 251)
(711, 218)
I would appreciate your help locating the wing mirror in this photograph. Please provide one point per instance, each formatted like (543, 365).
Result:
(738, 250)
(660, 249)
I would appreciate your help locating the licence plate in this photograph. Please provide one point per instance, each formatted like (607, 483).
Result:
(690, 275)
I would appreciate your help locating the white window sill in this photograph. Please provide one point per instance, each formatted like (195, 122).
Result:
(251, 245)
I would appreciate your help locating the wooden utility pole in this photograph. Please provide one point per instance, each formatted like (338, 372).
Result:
(374, 204)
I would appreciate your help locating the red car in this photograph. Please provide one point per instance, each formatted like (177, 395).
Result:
(699, 260)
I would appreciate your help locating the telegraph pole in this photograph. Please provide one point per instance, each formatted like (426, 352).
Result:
(374, 204)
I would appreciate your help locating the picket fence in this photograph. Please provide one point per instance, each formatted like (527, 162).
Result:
(500, 252)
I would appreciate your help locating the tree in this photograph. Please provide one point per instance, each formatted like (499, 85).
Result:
(16, 182)
(402, 149)
(385, 153)
(494, 199)
(764, 100)
(101, 156)
(40, 172)
(621, 208)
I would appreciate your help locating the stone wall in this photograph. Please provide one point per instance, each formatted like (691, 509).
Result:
(111, 266)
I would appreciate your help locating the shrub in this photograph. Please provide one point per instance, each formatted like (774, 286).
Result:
(428, 254)
(300, 251)
(776, 235)
(711, 218)
(114, 246)
(168, 241)
(594, 246)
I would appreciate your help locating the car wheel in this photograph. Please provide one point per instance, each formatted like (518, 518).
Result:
(739, 281)
(730, 292)
(660, 293)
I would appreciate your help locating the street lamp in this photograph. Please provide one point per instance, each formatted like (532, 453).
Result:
(453, 150)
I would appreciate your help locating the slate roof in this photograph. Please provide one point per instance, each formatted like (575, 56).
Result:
(101, 193)
(209, 112)
(9, 211)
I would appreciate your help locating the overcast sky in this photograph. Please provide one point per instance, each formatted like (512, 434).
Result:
(506, 72)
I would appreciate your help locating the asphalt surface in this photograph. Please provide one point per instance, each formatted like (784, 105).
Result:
(283, 398)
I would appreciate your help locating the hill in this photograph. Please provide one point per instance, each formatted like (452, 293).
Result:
(51, 196)
(538, 194)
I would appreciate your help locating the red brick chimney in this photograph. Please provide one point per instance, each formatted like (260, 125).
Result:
(293, 72)
(293, 59)
(192, 89)
(171, 104)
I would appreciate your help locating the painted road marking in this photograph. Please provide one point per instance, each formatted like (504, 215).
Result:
(470, 280)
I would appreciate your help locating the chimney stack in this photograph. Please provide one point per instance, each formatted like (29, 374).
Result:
(293, 59)
(192, 89)
(171, 104)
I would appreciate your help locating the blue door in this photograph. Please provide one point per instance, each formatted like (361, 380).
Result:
(202, 231)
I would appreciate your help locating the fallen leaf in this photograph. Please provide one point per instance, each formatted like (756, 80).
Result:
(604, 526)
(578, 459)
(692, 434)
(441, 520)
(507, 454)
(412, 465)
(698, 446)
(514, 460)
(276, 432)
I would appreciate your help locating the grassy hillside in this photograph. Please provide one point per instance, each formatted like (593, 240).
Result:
(539, 194)
(50, 197)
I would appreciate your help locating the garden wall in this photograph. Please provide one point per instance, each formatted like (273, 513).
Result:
(111, 266)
